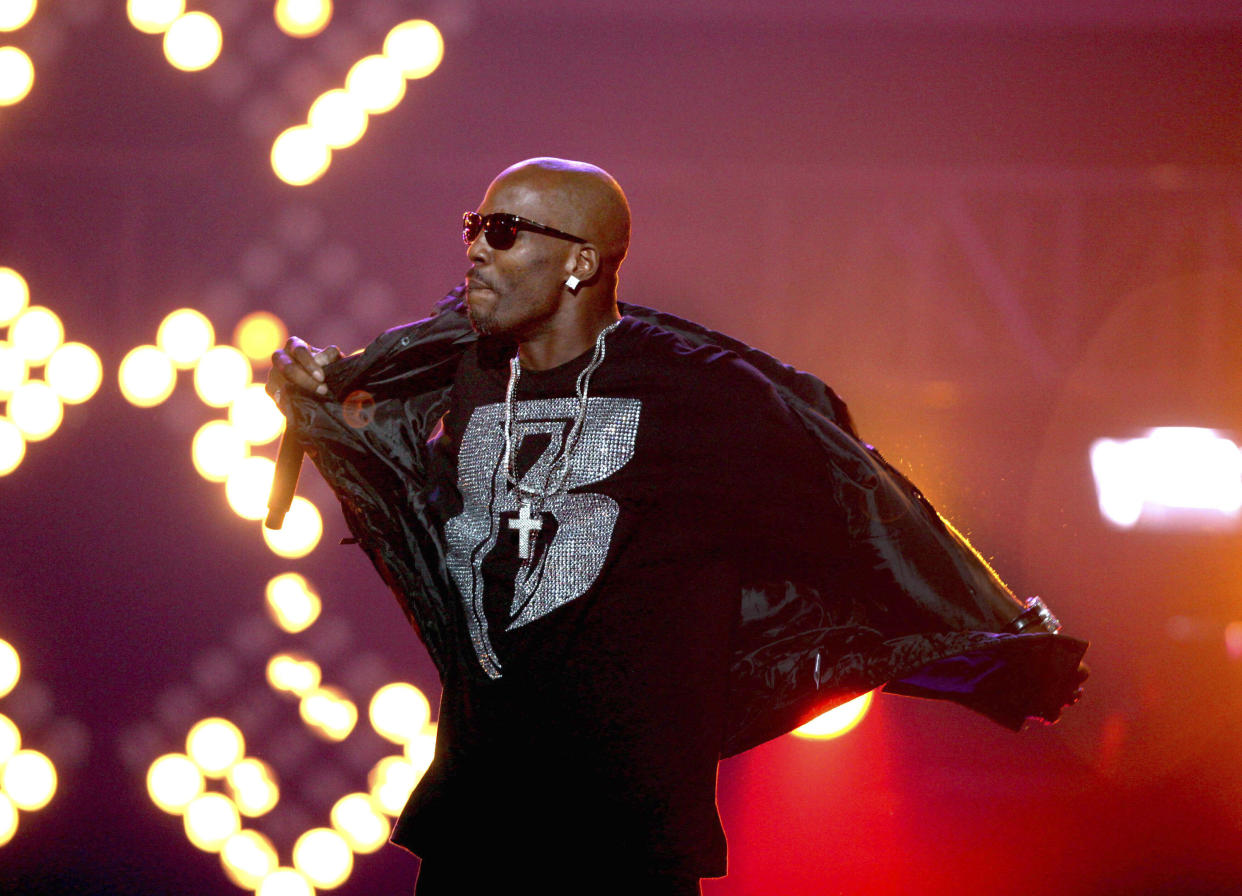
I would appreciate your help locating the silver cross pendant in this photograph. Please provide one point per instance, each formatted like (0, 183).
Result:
(525, 524)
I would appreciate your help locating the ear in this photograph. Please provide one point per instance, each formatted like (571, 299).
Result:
(584, 262)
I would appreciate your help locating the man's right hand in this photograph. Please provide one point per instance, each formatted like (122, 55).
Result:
(300, 366)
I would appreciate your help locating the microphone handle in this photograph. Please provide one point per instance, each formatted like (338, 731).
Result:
(285, 480)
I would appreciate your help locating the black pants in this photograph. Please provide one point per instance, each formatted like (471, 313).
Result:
(452, 878)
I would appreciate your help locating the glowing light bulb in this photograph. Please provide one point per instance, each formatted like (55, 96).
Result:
(154, 16)
(173, 782)
(12, 446)
(285, 882)
(329, 712)
(360, 822)
(248, 857)
(292, 602)
(216, 450)
(221, 375)
(8, 820)
(293, 674)
(215, 745)
(299, 534)
(416, 46)
(74, 372)
(259, 334)
(15, 14)
(302, 18)
(35, 409)
(252, 784)
(300, 156)
(248, 486)
(193, 42)
(147, 376)
(255, 416)
(377, 82)
(14, 295)
(338, 118)
(37, 333)
(185, 335)
(10, 739)
(29, 780)
(10, 669)
(323, 856)
(210, 820)
(398, 711)
(16, 76)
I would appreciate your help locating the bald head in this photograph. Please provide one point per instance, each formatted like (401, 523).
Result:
(576, 197)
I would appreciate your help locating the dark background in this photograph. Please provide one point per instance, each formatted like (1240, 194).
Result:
(998, 233)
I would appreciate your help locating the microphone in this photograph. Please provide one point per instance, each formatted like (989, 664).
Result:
(285, 480)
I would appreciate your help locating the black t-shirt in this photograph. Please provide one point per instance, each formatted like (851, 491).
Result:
(584, 714)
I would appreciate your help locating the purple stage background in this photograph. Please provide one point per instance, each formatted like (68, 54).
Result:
(1000, 234)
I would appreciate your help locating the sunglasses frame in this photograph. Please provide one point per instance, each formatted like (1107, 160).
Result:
(501, 226)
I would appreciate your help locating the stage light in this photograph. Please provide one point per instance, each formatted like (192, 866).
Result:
(29, 780)
(10, 739)
(10, 668)
(248, 857)
(292, 603)
(13, 369)
(217, 449)
(392, 780)
(35, 410)
(210, 820)
(215, 745)
(1173, 476)
(37, 333)
(420, 750)
(338, 118)
(8, 820)
(837, 721)
(323, 856)
(302, 18)
(398, 711)
(329, 712)
(259, 334)
(14, 295)
(185, 335)
(173, 782)
(74, 372)
(12, 446)
(285, 882)
(146, 376)
(16, 76)
(193, 42)
(360, 822)
(293, 674)
(299, 156)
(15, 14)
(154, 16)
(300, 532)
(253, 787)
(247, 487)
(221, 375)
(255, 416)
(377, 83)
(416, 46)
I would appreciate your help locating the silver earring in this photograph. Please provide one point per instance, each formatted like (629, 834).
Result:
(571, 282)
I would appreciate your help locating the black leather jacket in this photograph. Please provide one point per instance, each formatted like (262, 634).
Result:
(936, 621)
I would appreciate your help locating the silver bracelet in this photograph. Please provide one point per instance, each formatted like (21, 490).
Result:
(1036, 615)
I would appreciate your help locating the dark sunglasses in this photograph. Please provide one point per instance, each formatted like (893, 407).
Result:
(500, 229)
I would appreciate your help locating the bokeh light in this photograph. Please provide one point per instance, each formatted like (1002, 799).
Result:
(398, 711)
(216, 450)
(16, 76)
(215, 745)
(292, 603)
(285, 882)
(8, 820)
(252, 785)
(258, 334)
(300, 156)
(154, 16)
(248, 856)
(392, 780)
(324, 857)
(416, 46)
(221, 375)
(293, 674)
(35, 410)
(193, 42)
(74, 372)
(10, 739)
(837, 721)
(255, 417)
(185, 335)
(10, 667)
(29, 780)
(210, 820)
(15, 14)
(377, 83)
(14, 295)
(302, 18)
(12, 446)
(359, 820)
(300, 532)
(37, 333)
(420, 750)
(13, 369)
(338, 118)
(146, 376)
(329, 713)
(247, 487)
(173, 782)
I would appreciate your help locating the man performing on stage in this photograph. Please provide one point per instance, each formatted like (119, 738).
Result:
(632, 546)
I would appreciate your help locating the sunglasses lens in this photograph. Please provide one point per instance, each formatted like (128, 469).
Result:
(471, 224)
(500, 231)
